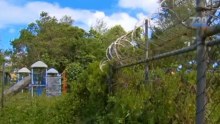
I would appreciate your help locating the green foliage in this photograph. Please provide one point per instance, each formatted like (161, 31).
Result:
(22, 109)
(166, 98)
(87, 101)
(73, 71)
(91, 90)
(1, 58)
(56, 43)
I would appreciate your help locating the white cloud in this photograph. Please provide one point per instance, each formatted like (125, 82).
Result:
(126, 21)
(15, 15)
(29, 12)
(149, 6)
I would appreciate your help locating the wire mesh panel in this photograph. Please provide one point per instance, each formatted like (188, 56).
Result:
(169, 95)
(213, 87)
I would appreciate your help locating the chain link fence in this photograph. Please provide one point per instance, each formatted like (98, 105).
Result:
(213, 87)
(183, 66)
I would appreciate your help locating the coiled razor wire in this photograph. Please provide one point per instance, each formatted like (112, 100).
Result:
(114, 52)
(123, 49)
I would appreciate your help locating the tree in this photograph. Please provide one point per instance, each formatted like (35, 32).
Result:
(66, 20)
(100, 26)
(113, 33)
(56, 43)
(1, 57)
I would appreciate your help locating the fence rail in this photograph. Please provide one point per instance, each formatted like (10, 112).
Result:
(169, 54)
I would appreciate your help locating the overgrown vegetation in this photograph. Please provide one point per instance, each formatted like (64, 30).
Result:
(166, 98)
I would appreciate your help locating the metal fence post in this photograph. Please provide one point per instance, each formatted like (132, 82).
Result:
(201, 82)
(3, 83)
(110, 78)
(146, 52)
(201, 68)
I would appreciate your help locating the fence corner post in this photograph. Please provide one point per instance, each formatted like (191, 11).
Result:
(201, 69)
(146, 51)
(110, 78)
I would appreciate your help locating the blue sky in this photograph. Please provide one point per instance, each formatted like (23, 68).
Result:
(17, 14)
